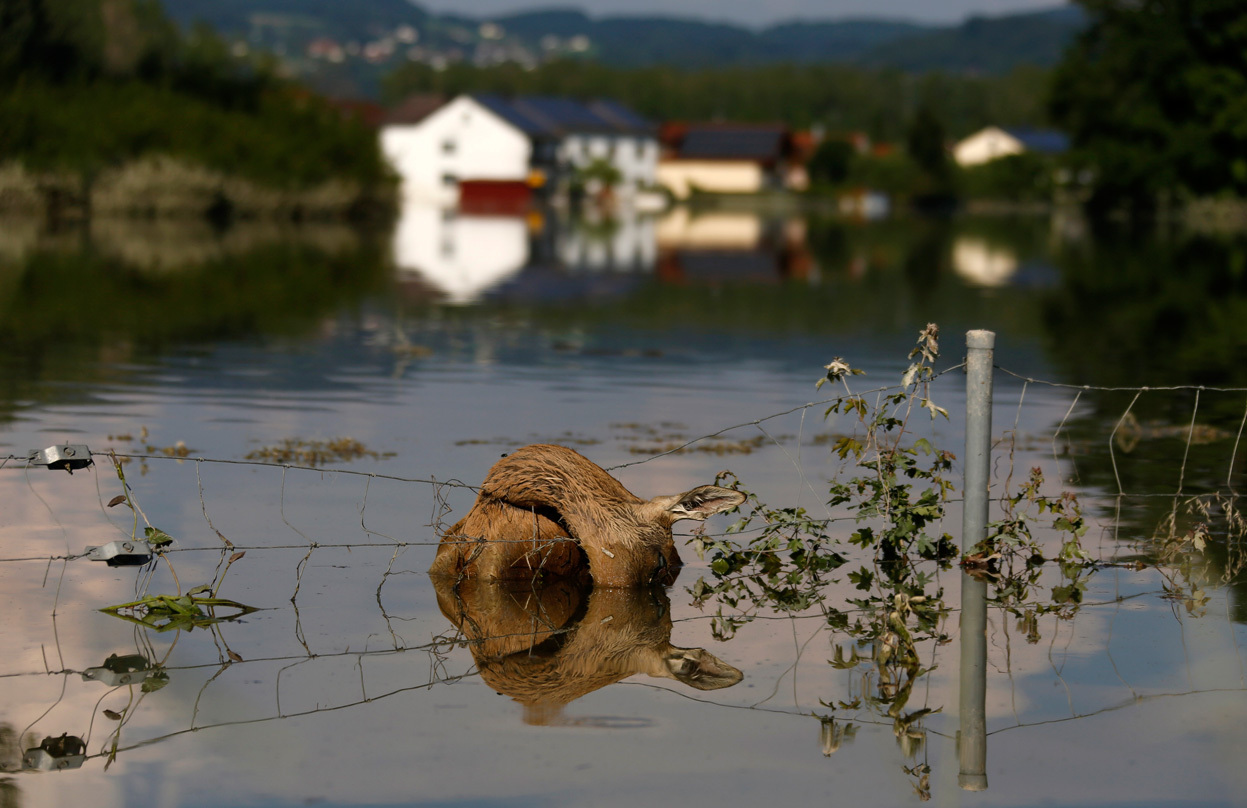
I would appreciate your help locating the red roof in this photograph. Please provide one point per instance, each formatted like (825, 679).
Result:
(413, 109)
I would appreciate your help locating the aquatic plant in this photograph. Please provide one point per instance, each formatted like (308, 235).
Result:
(199, 607)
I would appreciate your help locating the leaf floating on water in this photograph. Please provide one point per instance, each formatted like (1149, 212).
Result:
(201, 589)
(236, 556)
(179, 613)
(113, 714)
(117, 500)
(315, 452)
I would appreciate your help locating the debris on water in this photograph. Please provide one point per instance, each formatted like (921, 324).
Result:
(305, 452)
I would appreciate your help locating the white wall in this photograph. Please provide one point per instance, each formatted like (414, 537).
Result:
(985, 146)
(636, 157)
(464, 141)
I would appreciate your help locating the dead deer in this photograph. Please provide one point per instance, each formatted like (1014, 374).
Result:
(548, 508)
(546, 647)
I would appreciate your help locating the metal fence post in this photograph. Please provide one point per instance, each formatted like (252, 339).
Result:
(979, 353)
(972, 735)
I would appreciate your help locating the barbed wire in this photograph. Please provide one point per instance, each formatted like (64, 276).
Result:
(1120, 389)
(258, 463)
(307, 545)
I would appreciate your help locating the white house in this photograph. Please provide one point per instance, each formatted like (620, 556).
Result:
(618, 137)
(994, 142)
(724, 158)
(537, 140)
(462, 139)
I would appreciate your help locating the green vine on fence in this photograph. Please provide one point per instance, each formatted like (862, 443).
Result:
(897, 498)
(894, 485)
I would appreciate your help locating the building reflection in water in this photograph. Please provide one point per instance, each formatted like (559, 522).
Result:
(622, 243)
(732, 246)
(983, 263)
(460, 256)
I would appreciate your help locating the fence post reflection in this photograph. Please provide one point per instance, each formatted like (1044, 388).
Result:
(972, 735)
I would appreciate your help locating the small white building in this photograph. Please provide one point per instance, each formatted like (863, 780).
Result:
(994, 142)
(537, 140)
(725, 158)
(434, 149)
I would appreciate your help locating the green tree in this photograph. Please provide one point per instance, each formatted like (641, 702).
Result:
(840, 98)
(831, 161)
(1018, 177)
(1154, 95)
(57, 39)
(925, 143)
(91, 85)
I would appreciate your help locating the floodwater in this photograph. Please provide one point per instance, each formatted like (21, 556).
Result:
(194, 354)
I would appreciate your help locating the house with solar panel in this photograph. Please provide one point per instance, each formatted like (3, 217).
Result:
(482, 151)
(728, 158)
(995, 142)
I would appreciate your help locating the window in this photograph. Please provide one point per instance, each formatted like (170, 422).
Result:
(448, 146)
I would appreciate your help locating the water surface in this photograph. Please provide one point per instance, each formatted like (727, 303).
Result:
(450, 341)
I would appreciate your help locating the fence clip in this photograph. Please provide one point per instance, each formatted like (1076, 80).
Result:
(120, 553)
(56, 754)
(69, 456)
(120, 670)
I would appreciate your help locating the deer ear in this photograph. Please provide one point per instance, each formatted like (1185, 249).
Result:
(704, 501)
(697, 667)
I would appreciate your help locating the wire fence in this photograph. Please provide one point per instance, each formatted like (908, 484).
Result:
(1146, 503)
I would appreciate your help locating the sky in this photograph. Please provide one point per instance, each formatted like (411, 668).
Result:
(755, 13)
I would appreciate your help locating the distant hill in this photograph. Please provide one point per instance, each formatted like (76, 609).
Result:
(841, 41)
(356, 19)
(376, 36)
(983, 44)
(641, 41)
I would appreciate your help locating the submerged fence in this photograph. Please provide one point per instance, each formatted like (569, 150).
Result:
(145, 545)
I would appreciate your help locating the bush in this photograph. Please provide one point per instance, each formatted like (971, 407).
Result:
(892, 174)
(831, 161)
(1018, 177)
(290, 141)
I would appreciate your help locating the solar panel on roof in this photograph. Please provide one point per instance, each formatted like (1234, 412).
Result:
(506, 110)
(567, 114)
(1044, 141)
(549, 116)
(621, 116)
(739, 143)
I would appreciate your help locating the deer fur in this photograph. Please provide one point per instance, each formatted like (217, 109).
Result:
(546, 647)
(550, 509)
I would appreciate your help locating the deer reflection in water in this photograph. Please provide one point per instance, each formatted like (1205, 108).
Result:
(549, 509)
(546, 647)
